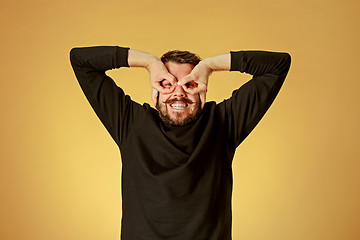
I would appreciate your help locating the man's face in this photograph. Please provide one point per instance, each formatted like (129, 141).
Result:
(178, 107)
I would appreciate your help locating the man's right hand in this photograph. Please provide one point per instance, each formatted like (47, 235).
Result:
(156, 68)
(159, 73)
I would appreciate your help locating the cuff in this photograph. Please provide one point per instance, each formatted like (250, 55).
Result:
(238, 61)
(122, 57)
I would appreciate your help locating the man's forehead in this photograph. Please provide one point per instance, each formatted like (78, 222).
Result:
(179, 70)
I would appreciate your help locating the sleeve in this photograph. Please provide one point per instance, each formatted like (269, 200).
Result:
(249, 103)
(115, 109)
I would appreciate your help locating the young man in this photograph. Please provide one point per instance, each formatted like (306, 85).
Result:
(176, 160)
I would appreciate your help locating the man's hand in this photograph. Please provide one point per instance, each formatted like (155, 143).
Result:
(159, 73)
(201, 72)
(196, 82)
(156, 68)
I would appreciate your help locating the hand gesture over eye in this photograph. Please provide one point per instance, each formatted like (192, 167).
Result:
(159, 75)
(197, 81)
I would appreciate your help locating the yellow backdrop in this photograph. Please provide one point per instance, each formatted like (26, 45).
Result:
(296, 176)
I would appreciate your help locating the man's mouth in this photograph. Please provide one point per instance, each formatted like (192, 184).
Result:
(178, 105)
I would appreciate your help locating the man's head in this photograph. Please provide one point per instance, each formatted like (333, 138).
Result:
(179, 107)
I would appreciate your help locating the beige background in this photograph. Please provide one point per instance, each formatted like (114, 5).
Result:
(295, 177)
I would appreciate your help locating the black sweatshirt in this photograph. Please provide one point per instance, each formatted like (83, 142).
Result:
(177, 181)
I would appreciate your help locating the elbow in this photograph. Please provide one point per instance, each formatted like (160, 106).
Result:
(288, 60)
(285, 63)
(74, 56)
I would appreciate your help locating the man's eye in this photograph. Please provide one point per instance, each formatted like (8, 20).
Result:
(166, 84)
(191, 85)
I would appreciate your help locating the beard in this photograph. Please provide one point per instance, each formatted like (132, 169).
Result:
(178, 120)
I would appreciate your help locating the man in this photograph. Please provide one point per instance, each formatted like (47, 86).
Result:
(176, 160)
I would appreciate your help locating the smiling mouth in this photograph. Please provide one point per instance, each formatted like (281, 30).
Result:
(178, 105)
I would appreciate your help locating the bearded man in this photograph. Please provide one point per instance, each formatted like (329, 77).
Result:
(177, 158)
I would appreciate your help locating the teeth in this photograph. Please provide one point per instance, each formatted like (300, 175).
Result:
(178, 106)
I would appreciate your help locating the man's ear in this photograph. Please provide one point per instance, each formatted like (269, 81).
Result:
(155, 96)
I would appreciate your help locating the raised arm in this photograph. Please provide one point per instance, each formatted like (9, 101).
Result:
(250, 102)
(115, 109)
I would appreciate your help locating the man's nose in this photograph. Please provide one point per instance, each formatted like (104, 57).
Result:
(179, 91)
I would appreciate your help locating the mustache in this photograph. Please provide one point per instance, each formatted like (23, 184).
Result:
(182, 99)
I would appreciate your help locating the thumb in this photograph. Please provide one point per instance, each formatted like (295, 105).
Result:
(170, 78)
(201, 87)
(184, 80)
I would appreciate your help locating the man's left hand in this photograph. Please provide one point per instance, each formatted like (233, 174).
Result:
(197, 81)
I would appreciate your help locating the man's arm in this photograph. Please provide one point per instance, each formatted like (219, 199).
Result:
(108, 101)
(250, 102)
(115, 109)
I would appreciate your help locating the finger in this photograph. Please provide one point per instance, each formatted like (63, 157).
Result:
(201, 87)
(184, 80)
(171, 79)
(158, 87)
(191, 90)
